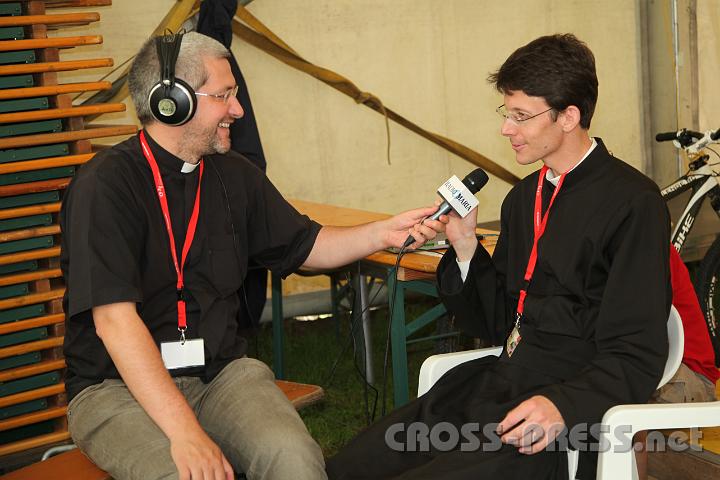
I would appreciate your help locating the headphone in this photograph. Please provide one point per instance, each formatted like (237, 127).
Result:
(171, 100)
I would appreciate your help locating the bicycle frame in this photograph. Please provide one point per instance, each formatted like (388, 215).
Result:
(703, 182)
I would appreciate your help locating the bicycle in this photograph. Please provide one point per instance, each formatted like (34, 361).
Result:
(703, 179)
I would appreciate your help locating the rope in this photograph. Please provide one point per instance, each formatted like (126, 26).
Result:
(254, 32)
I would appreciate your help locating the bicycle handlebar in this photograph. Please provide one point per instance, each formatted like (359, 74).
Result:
(666, 136)
(689, 139)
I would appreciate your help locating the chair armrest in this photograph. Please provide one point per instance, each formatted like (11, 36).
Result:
(676, 340)
(621, 422)
(436, 366)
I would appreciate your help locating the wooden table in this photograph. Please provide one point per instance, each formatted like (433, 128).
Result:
(414, 265)
(415, 273)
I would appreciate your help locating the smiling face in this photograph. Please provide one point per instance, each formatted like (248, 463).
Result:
(209, 130)
(537, 138)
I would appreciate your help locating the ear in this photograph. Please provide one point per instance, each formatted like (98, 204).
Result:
(569, 118)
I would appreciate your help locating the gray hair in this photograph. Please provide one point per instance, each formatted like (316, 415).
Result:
(145, 69)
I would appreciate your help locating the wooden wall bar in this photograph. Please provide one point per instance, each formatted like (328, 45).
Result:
(43, 140)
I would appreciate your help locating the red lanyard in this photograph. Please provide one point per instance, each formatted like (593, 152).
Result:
(539, 223)
(192, 226)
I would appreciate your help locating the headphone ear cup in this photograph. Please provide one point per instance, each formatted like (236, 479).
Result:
(173, 106)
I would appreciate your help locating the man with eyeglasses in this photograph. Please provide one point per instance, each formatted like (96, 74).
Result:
(577, 291)
(157, 235)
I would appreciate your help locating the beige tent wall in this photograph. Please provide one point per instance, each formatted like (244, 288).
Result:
(427, 60)
(124, 26)
(708, 20)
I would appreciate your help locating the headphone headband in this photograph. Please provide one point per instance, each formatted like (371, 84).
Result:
(168, 48)
(171, 100)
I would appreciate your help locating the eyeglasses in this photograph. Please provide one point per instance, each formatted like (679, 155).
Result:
(517, 117)
(225, 96)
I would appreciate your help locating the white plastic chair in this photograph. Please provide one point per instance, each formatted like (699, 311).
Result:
(611, 464)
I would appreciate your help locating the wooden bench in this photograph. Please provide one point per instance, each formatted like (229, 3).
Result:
(75, 465)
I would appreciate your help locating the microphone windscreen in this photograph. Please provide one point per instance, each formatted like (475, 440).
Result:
(475, 180)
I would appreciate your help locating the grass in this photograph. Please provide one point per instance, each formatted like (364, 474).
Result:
(311, 349)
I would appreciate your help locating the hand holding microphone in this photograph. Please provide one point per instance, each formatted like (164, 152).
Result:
(457, 196)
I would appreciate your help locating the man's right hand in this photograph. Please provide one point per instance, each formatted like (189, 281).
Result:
(141, 367)
(461, 234)
(197, 457)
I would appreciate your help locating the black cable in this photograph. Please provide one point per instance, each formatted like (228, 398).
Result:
(328, 382)
(354, 316)
(366, 384)
(104, 77)
(175, 50)
(361, 371)
(391, 306)
(253, 327)
(358, 370)
(713, 151)
(369, 417)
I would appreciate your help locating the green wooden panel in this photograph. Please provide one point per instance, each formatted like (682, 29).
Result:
(31, 153)
(15, 129)
(16, 81)
(14, 290)
(10, 9)
(20, 360)
(24, 104)
(23, 408)
(22, 337)
(36, 175)
(12, 33)
(28, 431)
(30, 199)
(21, 313)
(28, 265)
(26, 244)
(19, 56)
(25, 222)
(29, 383)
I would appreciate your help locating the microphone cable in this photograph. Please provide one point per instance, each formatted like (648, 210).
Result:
(391, 307)
(354, 316)
(253, 326)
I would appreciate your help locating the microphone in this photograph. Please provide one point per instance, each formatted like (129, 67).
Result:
(474, 181)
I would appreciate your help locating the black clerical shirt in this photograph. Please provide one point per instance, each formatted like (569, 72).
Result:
(115, 248)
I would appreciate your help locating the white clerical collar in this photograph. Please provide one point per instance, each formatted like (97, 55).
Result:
(189, 167)
(554, 180)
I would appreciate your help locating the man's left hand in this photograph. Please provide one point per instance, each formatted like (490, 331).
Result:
(532, 425)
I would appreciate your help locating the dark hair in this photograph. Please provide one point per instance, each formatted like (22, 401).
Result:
(558, 68)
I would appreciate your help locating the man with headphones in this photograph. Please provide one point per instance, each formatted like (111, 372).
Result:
(157, 235)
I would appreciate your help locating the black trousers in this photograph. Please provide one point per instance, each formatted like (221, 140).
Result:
(448, 433)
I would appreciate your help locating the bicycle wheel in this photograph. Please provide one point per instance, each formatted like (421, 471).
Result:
(707, 287)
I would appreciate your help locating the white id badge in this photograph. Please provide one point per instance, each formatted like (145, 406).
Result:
(190, 353)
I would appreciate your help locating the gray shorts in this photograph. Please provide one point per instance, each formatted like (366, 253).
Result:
(242, 410)
(685, 386)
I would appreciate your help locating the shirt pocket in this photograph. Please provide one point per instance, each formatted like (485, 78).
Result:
(224, 264)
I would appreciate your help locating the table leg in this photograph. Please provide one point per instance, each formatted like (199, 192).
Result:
(356, 322)
(335, 302)
(367, 335)
(278, 332)
(398, 339)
